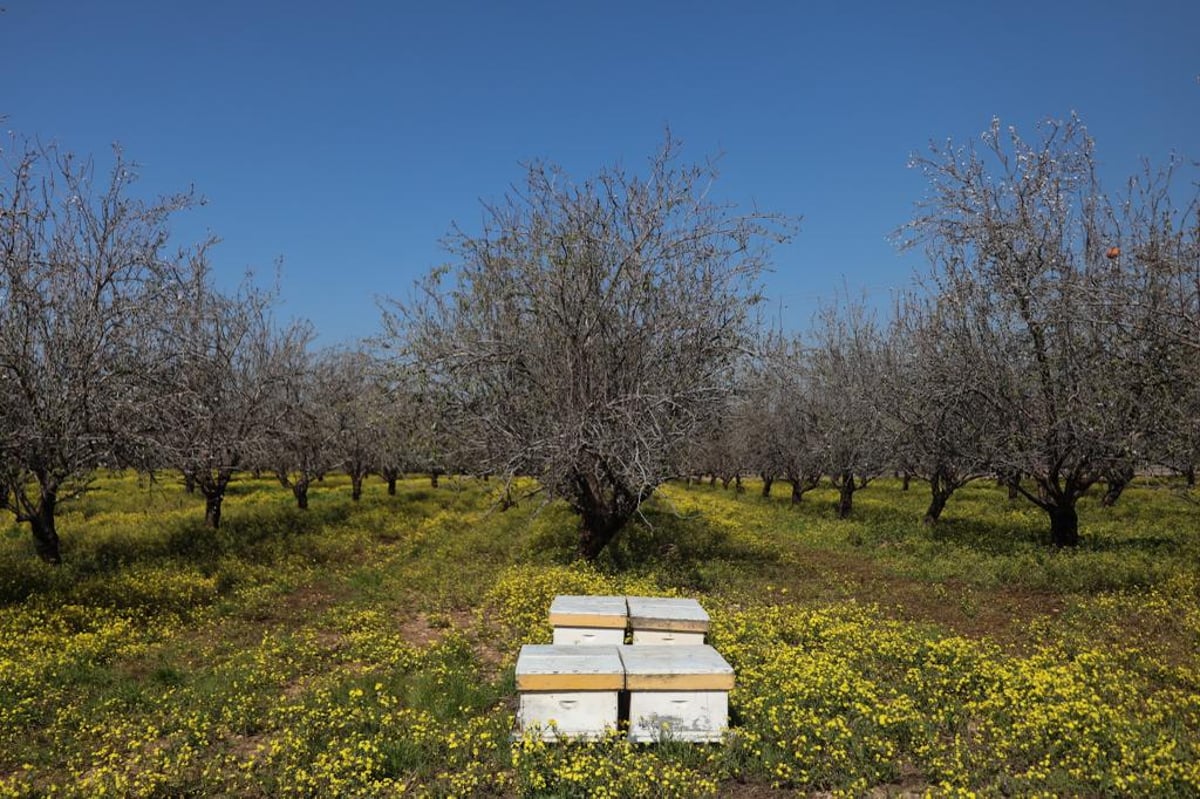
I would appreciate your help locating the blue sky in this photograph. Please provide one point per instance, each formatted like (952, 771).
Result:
(347, 137)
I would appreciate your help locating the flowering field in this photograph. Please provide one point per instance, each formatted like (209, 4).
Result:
(367, 649)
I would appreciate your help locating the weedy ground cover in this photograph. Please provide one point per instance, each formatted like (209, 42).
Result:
(366, 649)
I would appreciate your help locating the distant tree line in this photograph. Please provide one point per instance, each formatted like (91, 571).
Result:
(601, 337)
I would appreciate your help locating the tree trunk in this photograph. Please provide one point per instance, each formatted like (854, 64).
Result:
(391, 485)
(433, 479)
(725, 481)
(738, 487)
(712, 481)
(846, 495)
(1064, 525)
(940, 488)
(41, 522)
(212, 507)
(767, 483)
(1010, 480)
(603, 509)
(1116, 483)
(595, 532)
(797, 492)
(1189, 474)
(356, 481)
(905, 478)
(937, 504)
(300, 492)
(189, 483)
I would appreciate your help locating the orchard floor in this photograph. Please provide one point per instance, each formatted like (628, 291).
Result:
(367, 649)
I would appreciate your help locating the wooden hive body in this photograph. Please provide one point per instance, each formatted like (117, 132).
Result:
(667, 621)
(676, 692)
(568, 691)
(588, 620)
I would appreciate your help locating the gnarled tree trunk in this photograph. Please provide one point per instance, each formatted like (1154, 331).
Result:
(846, 487)
(41, 522)
(1011, 480)
(391, 475)
(1064, 525)
(940, 489)
(1117, 481)
(300, 492)
(212, 508)
(937, 503)
(213, 487)
(603, 508)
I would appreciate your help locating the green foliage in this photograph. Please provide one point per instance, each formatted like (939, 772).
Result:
(366, 649)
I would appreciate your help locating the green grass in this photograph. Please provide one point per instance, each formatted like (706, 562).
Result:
(367, 648)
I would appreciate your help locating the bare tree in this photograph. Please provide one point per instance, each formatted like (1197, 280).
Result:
(400, 428)
(1154, 277)
(591, 328)
(939, 429)
(358, 407)
(1020, 236)
(83, 261)
(223, 358)
(423, 412)
(302, 446)
(844, 371)
(785, 433)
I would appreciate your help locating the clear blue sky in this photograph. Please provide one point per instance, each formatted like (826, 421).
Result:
(346, 137)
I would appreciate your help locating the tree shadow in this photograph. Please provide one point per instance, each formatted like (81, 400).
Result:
(686, 552)
(985, 536)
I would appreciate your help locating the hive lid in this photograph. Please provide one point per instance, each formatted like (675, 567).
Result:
(542, 667)
(675, 668)
(588, 611)
(666, 613)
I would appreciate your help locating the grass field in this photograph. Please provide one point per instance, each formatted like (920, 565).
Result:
(366, 649)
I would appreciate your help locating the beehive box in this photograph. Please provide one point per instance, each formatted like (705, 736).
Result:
(588, 620)
(667, 620)
(676, 692)
(573, 687)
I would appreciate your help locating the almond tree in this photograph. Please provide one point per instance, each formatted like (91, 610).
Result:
(843, 371)
(82, 263)
(302, 446)
(222, 360)
(1154, 265)
(938, 430)
(357, 407)
(590, 329)
(785, 432)
(1022, 241)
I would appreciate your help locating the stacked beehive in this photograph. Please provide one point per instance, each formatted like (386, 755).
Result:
(677, 686)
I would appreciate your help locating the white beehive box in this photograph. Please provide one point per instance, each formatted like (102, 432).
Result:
(588, 620)
(676, 692)
(667, 620)
(573, 687)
